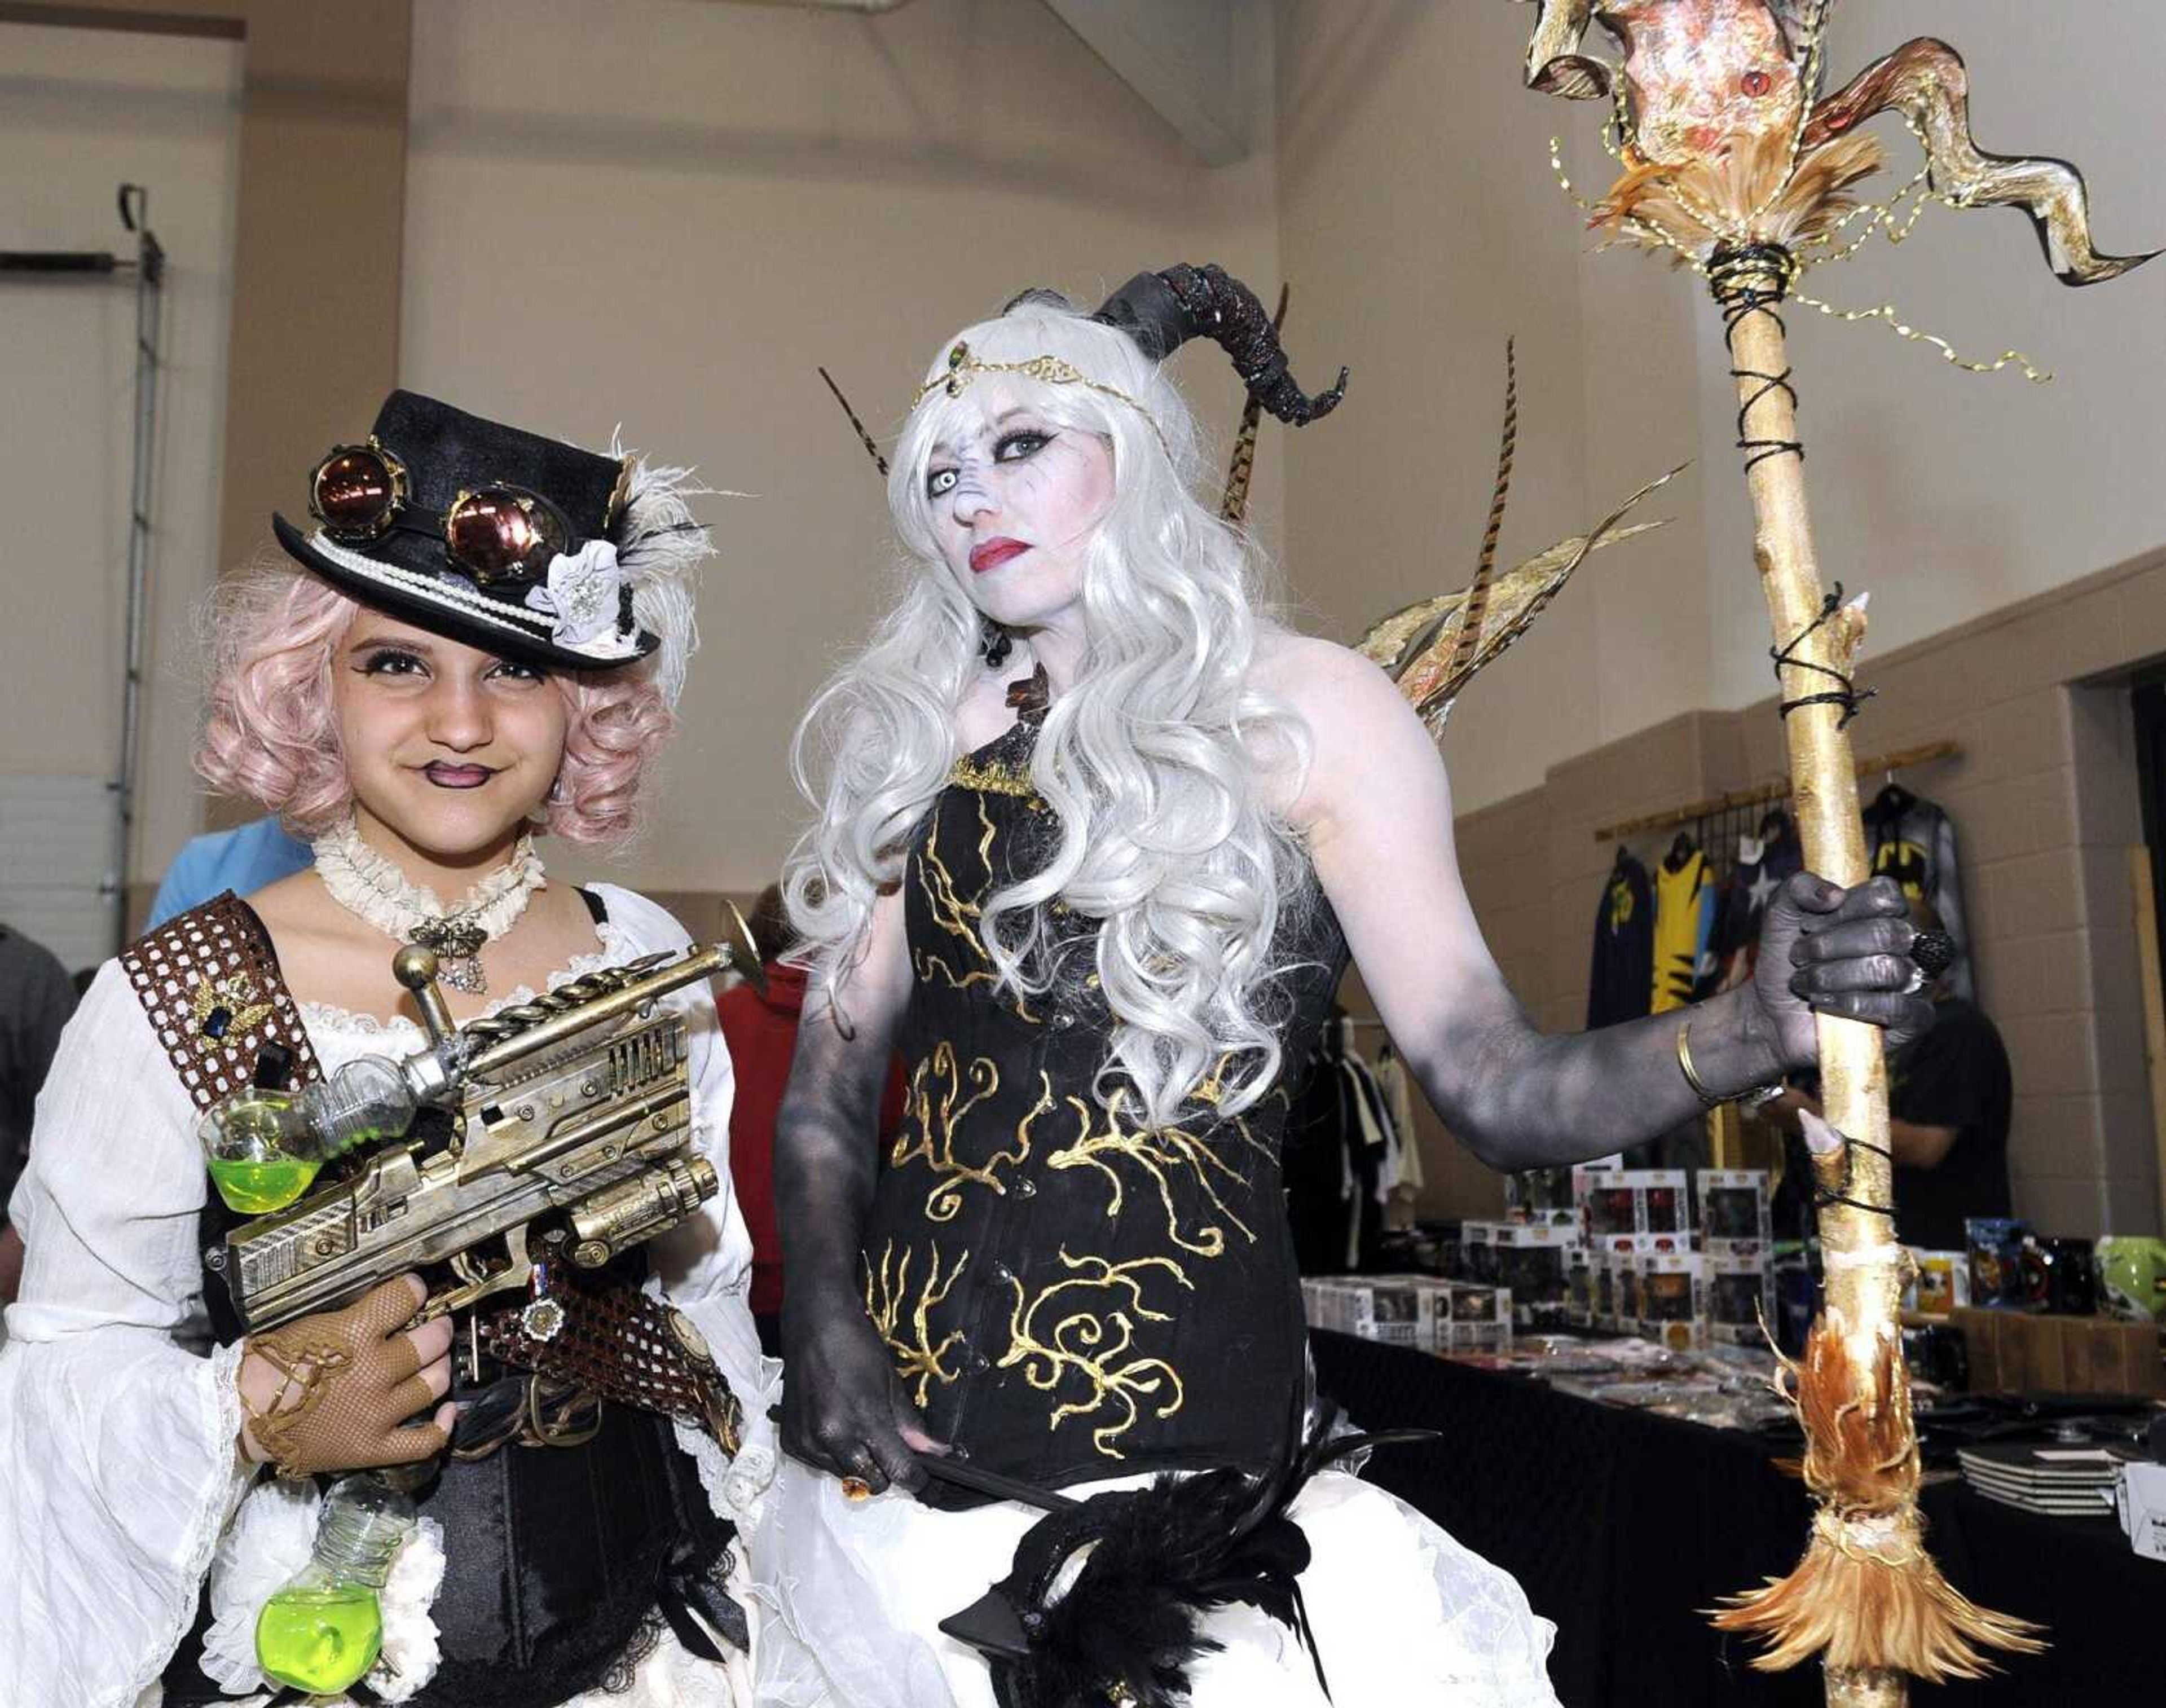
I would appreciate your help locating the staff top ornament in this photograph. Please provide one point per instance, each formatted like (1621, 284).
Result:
(1727, 141)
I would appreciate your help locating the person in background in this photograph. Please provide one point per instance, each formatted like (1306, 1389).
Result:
(760, 1028)
(36, 998)
(243, 860)
(1950, 1094)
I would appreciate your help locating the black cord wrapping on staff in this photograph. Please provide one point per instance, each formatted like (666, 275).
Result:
(1822, 1197)
(1848, 697)
(1750, 281)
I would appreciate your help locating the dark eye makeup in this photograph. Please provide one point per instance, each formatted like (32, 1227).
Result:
(389, 661)
(1017, 446)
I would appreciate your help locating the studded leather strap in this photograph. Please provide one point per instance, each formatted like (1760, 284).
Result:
(615, 1342)
(208, 979)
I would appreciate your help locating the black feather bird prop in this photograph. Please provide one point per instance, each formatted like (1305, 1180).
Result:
(1127, 1630)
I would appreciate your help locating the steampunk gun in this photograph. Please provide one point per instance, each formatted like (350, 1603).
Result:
(571, 1141)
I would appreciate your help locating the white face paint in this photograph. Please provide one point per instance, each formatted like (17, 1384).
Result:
(1015, 500)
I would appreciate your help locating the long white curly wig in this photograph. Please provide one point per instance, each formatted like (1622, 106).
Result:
(1155, 761)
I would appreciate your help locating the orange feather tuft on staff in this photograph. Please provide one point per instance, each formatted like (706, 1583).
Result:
(1867, 1595)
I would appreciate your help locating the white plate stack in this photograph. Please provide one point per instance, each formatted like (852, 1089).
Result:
(2063, 1480)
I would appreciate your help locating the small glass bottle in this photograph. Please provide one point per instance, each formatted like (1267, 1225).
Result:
(324, 1629)
(256, 1145)
(265, 1145)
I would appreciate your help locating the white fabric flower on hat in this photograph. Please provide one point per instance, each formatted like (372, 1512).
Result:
(584, 597)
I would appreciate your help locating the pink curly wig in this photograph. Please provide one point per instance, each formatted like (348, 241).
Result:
(270, 732)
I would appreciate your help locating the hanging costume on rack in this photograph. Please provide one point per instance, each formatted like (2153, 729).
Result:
(1684, 925)
(1622, 982)
(1397, 1091)
(1765, 860)
(1912, 841)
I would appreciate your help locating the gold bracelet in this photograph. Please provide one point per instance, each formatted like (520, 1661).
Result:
(1707, 1100)
(1748, 1100)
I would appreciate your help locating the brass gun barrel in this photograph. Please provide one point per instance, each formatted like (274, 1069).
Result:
(548, 1035)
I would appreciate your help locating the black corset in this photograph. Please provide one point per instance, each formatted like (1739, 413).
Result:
(1069, 1294)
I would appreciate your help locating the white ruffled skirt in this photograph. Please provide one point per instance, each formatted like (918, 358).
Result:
(851, 1596)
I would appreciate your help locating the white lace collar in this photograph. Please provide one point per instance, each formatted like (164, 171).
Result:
(329, 1018)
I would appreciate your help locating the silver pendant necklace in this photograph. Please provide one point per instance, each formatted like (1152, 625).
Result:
(371, 887)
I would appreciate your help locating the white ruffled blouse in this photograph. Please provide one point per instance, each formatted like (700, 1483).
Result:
(119, 1477)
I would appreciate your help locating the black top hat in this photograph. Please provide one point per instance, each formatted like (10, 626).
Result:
(480, 532)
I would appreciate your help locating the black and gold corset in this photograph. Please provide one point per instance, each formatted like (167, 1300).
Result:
(1070, 1293)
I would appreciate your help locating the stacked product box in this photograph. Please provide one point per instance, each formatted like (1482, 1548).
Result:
(1579, 1287)
(1541, 1195)
(1736, 1235)
(1421, 1311)
(1740, 1297)
(1528, 1259)
(1671, 1291)
(1614, 1264)
(1734, 1210)
(1394, 1309)
(1634, 1201)
(1939, 1283)
(1479, 1319)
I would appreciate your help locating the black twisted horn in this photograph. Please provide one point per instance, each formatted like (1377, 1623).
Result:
(1162, 311)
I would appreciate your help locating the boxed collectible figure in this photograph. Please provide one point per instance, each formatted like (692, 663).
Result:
(1542, 1196)
(1672, 1298)
(1634, 1201)
(1528, 1259)
(1996, 1262)
(1613, 1276)
(1578, 1287)
(1740, 1299)
(1940, 1282)
(1480, 1320)
(1734, 1209)
(1397, 1310)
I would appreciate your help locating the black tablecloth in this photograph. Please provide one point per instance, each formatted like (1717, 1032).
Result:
(1621, 1525)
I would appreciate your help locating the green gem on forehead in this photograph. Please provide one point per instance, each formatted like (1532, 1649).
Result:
(960, 355)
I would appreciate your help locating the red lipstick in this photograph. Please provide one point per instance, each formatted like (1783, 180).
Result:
(991, 554)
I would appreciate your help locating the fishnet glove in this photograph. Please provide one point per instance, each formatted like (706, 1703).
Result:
(332, 1392)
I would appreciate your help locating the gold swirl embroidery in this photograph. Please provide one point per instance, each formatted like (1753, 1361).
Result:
(957, 918)
(995, 779)
(938, 1102)
(1096, 1344)
(1163, 1153)
(917, 1358)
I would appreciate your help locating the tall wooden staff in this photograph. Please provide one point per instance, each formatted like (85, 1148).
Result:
(1733, 167)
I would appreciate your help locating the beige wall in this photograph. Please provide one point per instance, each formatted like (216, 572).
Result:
(666, 215)
(85, 110)
(1417, 203)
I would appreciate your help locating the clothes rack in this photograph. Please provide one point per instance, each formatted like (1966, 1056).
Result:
(1769, 794)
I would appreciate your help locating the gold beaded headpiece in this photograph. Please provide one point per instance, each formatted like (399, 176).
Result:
(1160, 312)
(964, 366)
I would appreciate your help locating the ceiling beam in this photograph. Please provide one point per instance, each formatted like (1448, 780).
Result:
(1200, 66)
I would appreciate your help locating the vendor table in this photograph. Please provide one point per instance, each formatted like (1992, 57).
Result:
(1621, 1525)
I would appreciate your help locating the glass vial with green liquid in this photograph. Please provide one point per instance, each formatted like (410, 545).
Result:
(257, 1145)
(325, 1628)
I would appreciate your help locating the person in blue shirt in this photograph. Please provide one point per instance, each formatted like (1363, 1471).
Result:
(241, 860)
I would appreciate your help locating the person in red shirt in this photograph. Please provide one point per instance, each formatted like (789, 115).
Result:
(761, 1030)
